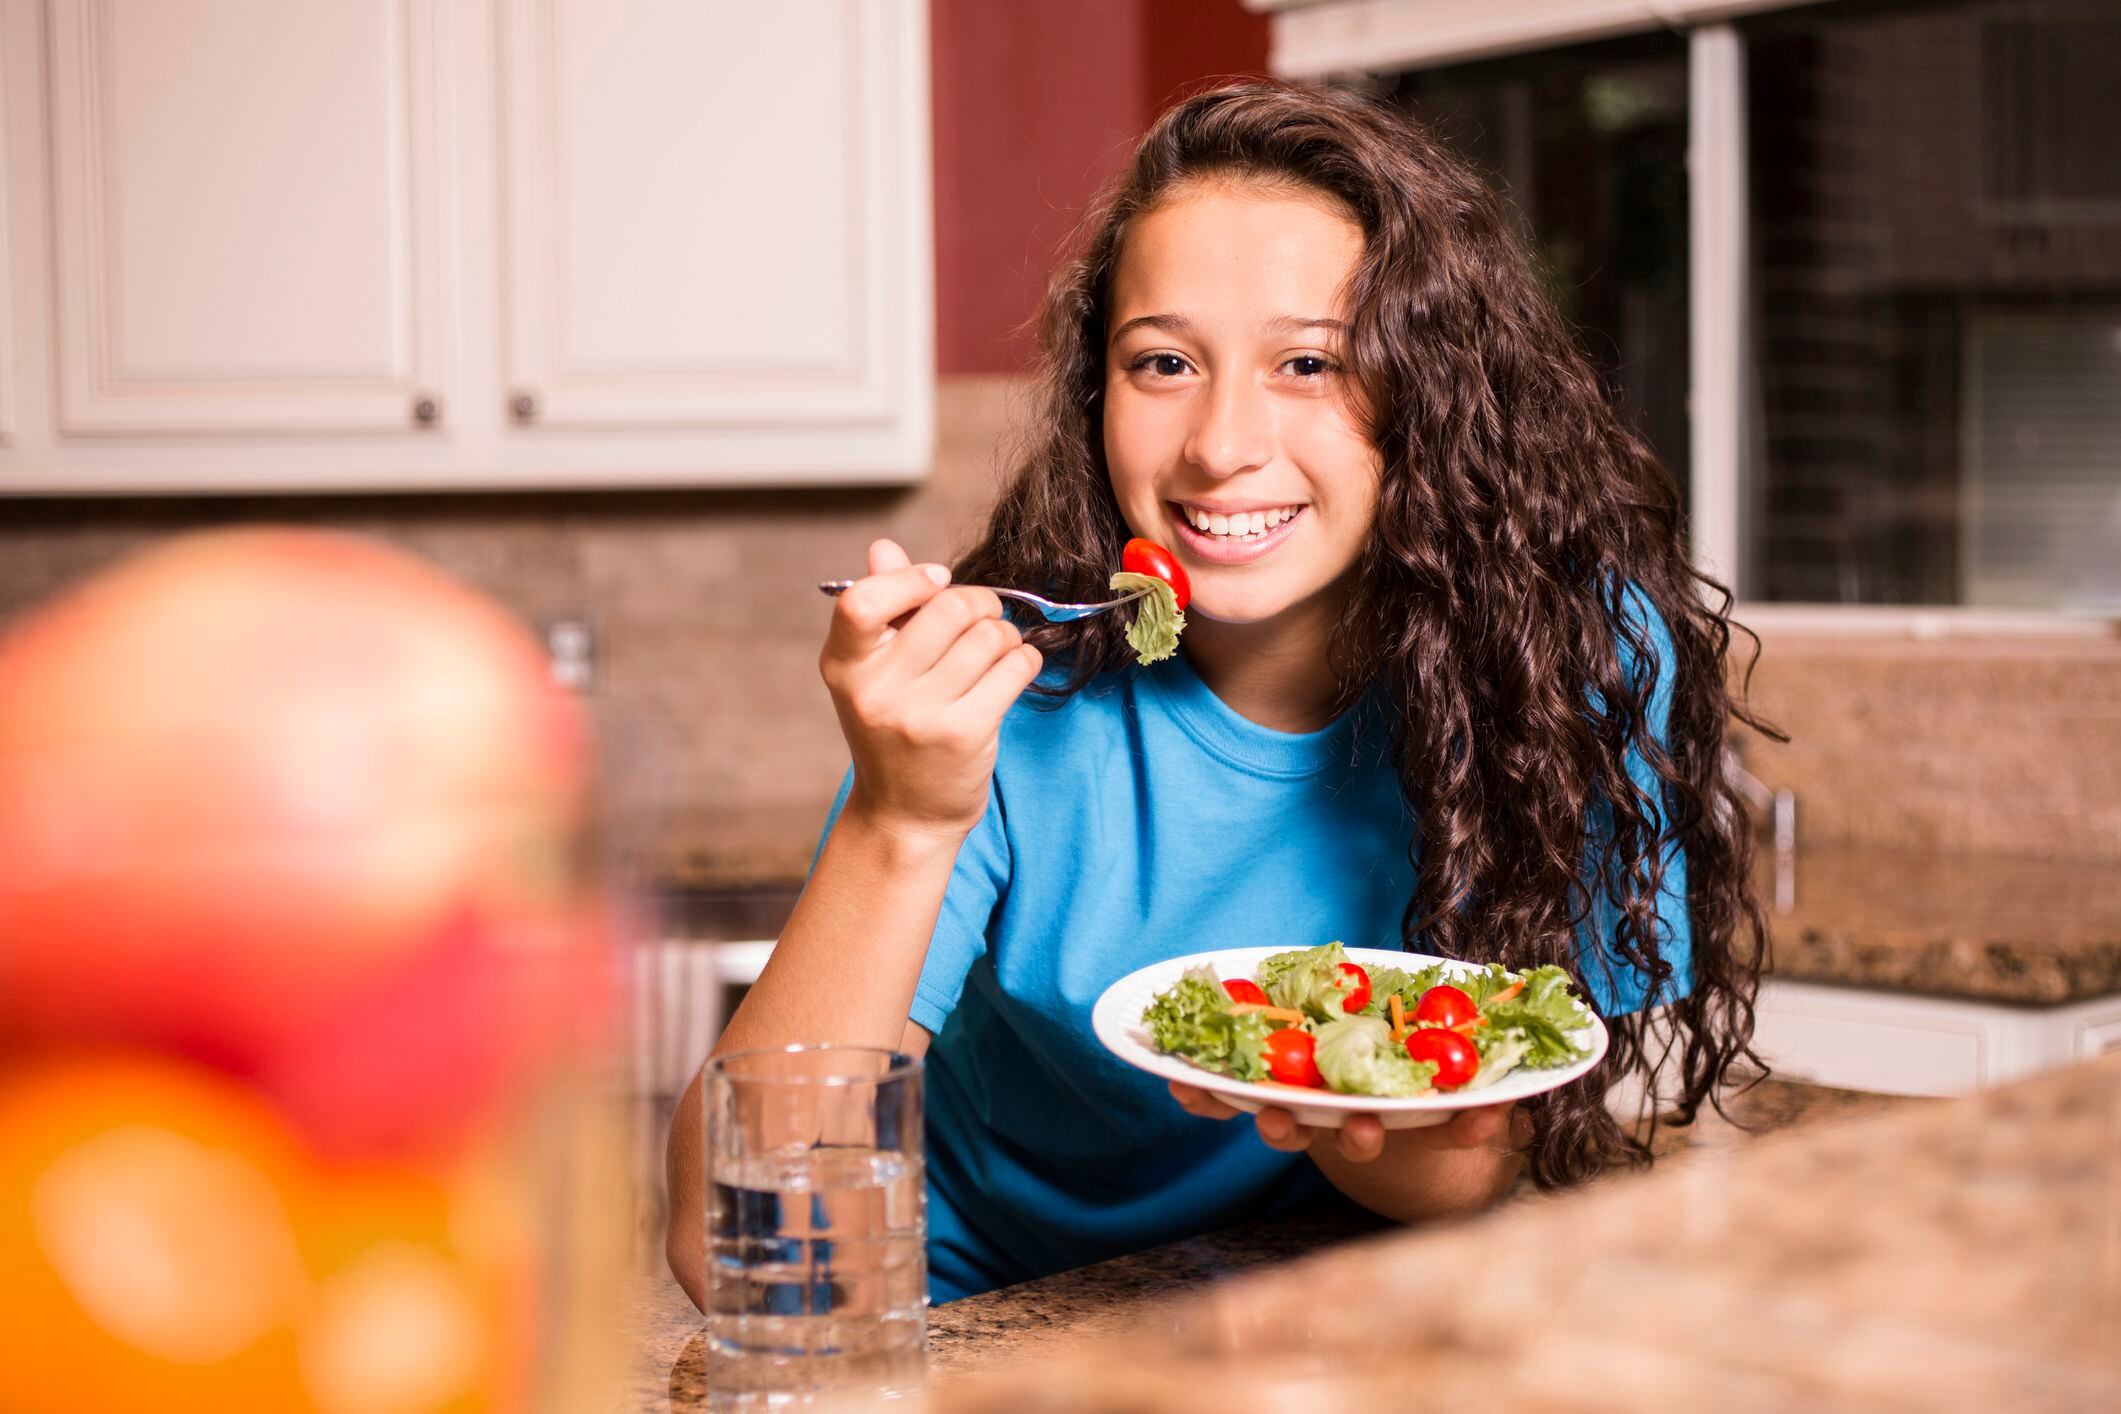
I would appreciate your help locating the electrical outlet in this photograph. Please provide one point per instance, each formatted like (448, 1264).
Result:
(570, 638)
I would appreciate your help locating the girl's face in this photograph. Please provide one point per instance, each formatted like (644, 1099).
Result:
(1231, 430)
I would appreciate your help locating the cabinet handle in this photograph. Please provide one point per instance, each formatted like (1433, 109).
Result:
(426, 409)
(524, 406)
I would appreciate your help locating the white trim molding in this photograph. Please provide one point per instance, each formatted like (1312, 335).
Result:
(1315, 41)
(1921, 622)
(1717, 164)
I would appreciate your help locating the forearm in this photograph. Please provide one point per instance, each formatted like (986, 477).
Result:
(850, 956)
(1412, 1179)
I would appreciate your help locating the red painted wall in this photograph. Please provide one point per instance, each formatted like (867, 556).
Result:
(1037, 103)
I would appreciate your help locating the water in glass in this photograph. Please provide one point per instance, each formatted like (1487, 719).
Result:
(817, 1269)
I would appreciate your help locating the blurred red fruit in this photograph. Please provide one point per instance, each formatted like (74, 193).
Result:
(300, 805)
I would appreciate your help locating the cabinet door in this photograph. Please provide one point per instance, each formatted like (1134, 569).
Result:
(716, 228)
(244, 203)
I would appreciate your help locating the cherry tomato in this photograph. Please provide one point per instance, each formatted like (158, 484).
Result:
(1445, 1005)
(1147, 557)
(1357, 982)
(1455, 1058)
(1241, 990)
(1292, 1057)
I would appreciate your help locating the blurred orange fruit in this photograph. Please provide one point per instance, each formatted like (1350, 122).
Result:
(148, 1257)
(426, 1293)
(166, 1245)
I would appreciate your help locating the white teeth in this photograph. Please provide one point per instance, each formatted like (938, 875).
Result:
(1241, 525)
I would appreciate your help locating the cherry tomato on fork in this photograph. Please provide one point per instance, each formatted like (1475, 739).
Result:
(1445, 1005)
(1147, 557)
(1357, 982)
(1292, 1057)
(1456, 1059)
(1245, 990)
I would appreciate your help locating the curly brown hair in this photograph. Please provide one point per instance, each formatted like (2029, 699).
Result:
(1516, 511)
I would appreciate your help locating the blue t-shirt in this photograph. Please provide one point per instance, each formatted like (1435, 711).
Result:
(1139, 820)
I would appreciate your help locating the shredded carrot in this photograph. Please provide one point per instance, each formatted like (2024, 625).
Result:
(1272, 1013)
(1399, 1018)
(1508, 992)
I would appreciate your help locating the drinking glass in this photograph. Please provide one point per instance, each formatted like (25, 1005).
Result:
(817, 1270)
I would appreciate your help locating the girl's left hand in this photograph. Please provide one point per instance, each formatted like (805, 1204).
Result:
(1362, 1138)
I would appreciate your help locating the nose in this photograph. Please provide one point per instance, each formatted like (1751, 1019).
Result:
(1231, 432)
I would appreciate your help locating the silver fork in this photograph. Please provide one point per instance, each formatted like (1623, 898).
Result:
(1054, 613)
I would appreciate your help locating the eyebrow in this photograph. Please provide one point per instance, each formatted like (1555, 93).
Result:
(1179, 324)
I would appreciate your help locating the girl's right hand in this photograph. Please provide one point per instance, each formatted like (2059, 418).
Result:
(921, 676)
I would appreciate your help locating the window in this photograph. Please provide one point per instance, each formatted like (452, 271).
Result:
(1936, 305)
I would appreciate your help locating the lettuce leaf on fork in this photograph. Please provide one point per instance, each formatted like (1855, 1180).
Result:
(1153, 635)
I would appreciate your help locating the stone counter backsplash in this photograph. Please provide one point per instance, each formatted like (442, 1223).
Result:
(1984, 927)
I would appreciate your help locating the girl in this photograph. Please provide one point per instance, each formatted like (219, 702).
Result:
(1449, 683)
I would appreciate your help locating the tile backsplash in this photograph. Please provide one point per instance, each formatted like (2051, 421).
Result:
(726, 748)
(1999, 745)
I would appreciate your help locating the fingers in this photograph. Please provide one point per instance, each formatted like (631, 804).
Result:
(1004, 683)
(942, 621)
(1361, 1139)
(984, 642)
(1278, 1129)
(887, 555)
(862, 618)
(1196, 1101)
(1487, 1127)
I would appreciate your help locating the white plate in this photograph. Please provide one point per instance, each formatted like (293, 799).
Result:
(1117, 1019)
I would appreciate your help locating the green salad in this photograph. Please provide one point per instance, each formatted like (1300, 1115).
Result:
(1313, 1017)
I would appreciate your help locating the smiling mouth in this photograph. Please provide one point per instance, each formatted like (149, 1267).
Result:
(1237, 542)
(1236, 528)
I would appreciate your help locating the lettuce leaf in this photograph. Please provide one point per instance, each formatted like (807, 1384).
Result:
(1192, 1019)
(1385, 981)
(1308, 980)
(1153, 635)
(1535, 1028)
(1357, 1056)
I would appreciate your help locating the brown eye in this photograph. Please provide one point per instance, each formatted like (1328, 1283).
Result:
(1308, 366)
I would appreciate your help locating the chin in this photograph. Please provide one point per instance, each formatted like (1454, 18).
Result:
(1234, 612)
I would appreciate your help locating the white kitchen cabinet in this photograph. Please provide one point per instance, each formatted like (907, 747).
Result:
(432, 244)
(243, 202)
(1897, 1043)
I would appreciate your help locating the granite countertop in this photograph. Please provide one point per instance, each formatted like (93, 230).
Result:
(1961, 1254)
(1143, 1292)
(2029, 931)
